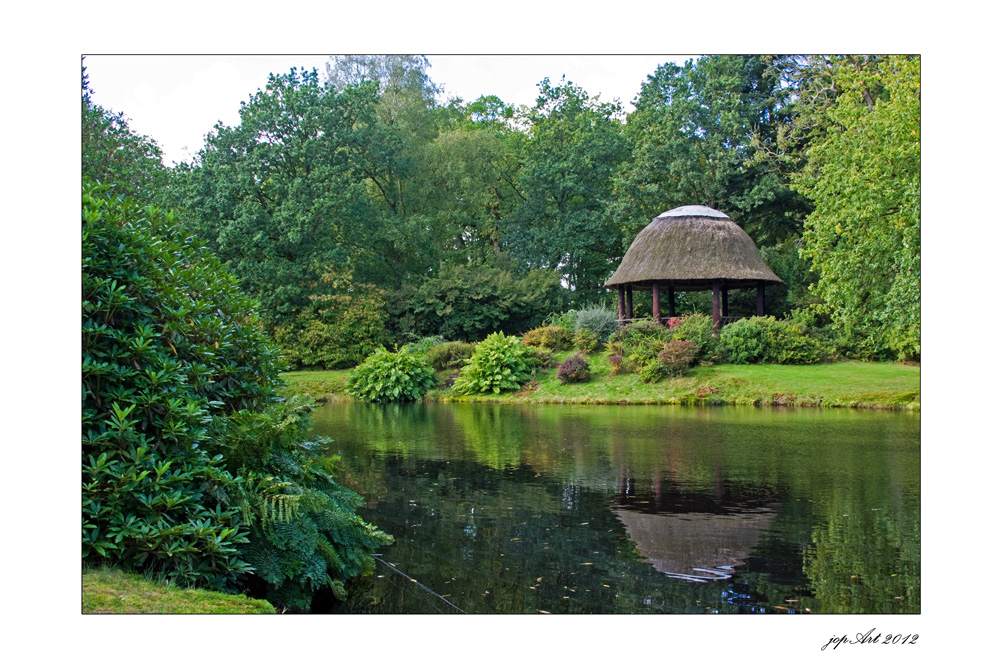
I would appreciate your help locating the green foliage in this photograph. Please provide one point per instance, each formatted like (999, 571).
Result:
(499, 364)
(423, 346)
(554, 338)
(617, 363)
(542, 357)
(652, 371)
(586, 341)
(748, 341)
(450, 355)
(565, 319)
(677, 356)
(767, 340)
(112, 154)
(467, 302)
(391, 376)
(574, 369)
(638, 343)
(188, 473)
(694, 135)
(700, 330)
(282, 197)
(600, 321)
(168, 344)
(304, 532)
(563, 223)
(864, 178)
(335, 331)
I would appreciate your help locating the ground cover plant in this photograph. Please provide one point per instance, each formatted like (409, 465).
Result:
(574, 369)
(109, 591)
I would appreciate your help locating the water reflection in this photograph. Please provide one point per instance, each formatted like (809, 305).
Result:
(603, 509)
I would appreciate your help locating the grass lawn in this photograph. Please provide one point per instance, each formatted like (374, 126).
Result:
(107, 591)
(842, 384)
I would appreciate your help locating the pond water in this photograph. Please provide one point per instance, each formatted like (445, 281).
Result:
(633, 509)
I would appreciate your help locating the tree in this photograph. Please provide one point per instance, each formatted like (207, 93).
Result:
(864, 178)
(694, 135)
(574, 147)
(282, 197)
(131, 164)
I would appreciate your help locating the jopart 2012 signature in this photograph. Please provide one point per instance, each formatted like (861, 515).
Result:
(871, 637)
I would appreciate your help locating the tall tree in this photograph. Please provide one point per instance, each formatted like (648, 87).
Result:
(574, 148)
(282, 196)
(694, 133)
(864, 178)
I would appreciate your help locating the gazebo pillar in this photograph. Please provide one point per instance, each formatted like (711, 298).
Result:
(670, 301)
(656, 301)
(725, 302)
(760, 298)
(628, 302)
(716, 314)
(621, 303)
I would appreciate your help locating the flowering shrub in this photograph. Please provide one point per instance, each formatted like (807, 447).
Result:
(574, 369)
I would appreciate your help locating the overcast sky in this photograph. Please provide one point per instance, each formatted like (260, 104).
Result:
(176, 100)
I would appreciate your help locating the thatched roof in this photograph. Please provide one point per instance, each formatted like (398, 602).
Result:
(689, 247)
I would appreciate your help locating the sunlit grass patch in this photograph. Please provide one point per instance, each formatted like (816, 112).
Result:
(107, 591)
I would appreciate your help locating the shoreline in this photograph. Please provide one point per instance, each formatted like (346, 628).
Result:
(847, 384)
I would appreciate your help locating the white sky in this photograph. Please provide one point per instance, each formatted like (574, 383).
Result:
(177, 99)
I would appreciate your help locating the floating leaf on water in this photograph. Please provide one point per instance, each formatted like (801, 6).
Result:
(540, 611)
(539, 580)
(586, 563)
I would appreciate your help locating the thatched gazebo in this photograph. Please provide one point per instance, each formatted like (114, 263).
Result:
(689, 249)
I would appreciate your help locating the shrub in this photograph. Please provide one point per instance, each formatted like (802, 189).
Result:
(304, 533)
(566, 320)
(767, 340)
(449, 355)
(700, 330)
(542, 357)
(574, 369)
(336, 331)
(617, 364)
(586, 341)
(554, 338)
(652, 372)
(638, 343)
(677, 356)
(177, 378)
(422, 346)
(499, 363)
(169, 343)
(747, 341)
(391, 376)
(467, 302)
(600, 321)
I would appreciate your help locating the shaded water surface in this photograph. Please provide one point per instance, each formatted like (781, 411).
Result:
(634, 509)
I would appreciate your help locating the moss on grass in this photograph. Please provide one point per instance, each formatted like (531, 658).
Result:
(107, 591)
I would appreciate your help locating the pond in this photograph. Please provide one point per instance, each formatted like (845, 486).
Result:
(633, 509)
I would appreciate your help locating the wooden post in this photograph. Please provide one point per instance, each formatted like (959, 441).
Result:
(670, 301)
(628, 302)
(760, 299)
(716, 314)
(725, 302)
(621, 304)
(656, 302)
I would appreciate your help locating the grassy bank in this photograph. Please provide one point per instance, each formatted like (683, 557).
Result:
(844, 384)
(107, 591)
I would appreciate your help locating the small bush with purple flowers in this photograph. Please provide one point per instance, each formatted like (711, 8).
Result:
(574, 369)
